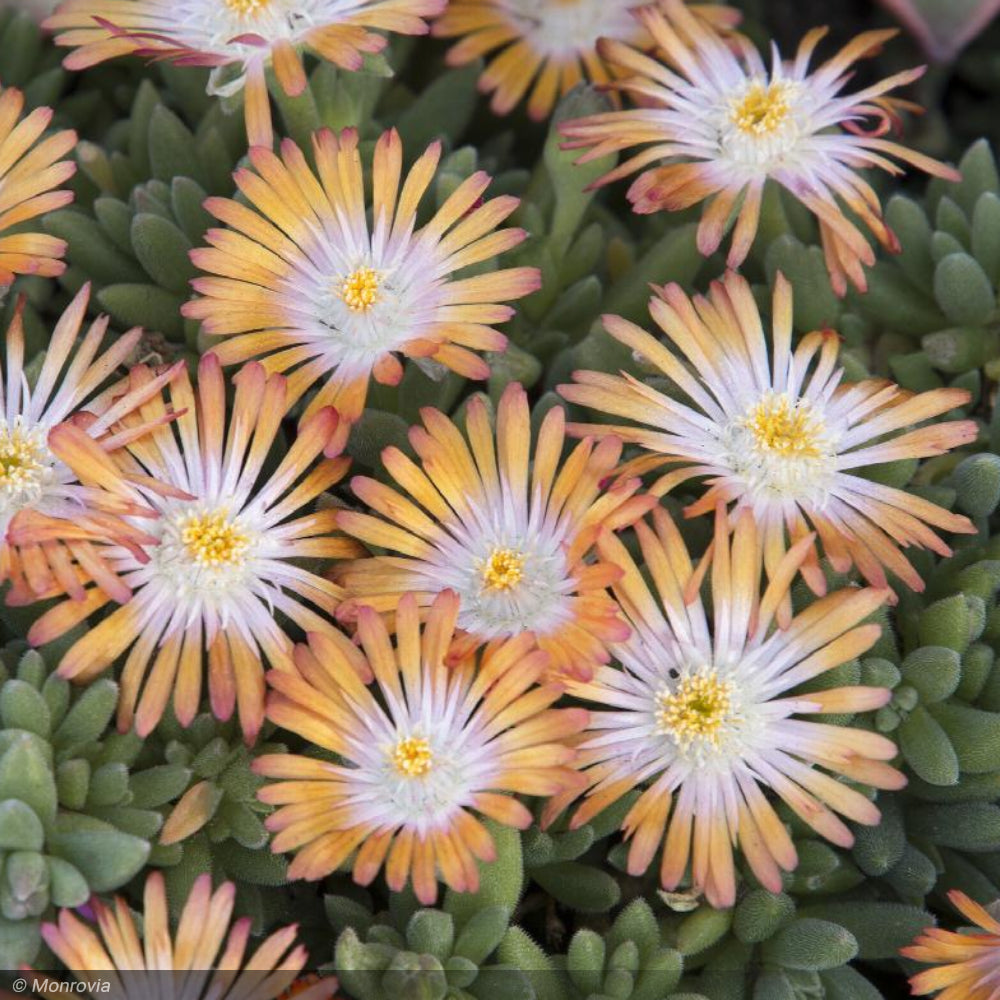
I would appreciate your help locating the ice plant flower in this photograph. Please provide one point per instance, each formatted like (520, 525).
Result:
(966, 966)
(132, 961)
(546, 46)
(419, 754)
(302, 280)
(706, 713)
(41, 485)
(511, 538)
(715, 125)
(777, 430)
(229, 541)
(31, 170)
(238, 39)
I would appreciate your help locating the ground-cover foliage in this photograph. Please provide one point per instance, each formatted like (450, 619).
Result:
(498, 499)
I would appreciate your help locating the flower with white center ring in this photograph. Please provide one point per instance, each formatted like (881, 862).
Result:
(546, 46)
(302, 281)
(715, 124)
(707, 712)
(238, 39)
(54, 519)
(225, 556)
(419, 753)
(777, 430)
(512, 539)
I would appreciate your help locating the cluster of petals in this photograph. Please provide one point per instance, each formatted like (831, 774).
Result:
(31, 172)
(964, 966)
(446, 620)
(301, 281)
(547, 47)
(707, 710)
(53, 520)
(508, 529)
(238, 39)
(131, 960)
(419, 754)
(715, 125)
(224, 556)
(776, 430)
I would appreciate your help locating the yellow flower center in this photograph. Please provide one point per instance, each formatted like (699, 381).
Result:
(697, 710)
(360, 289)
(413, 757)
(19, 460)
(213, 540)
(503, 570)
(784, 428)
(762, 109)
(246, 8)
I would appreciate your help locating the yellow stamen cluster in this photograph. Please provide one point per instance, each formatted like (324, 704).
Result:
(413, 757)
(762, 109)
(360, 289)
(246, 8)
(19, 459)
(785, 428)
(213, 540)
(697, 709)
(503, 570)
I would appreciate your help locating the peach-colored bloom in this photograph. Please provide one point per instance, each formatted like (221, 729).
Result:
(715, 124)
(304, 283)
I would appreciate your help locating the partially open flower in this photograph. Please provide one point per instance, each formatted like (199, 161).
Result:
(239, 39)
(31, 170)
(965, 966)
(135, 962)
(546, 46)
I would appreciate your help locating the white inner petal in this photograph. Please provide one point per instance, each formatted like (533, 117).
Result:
(409, 294)
(211, 25)
(457, 766)
(537, 601)
(781, 448)
(203, 550)
(28, 470)
(759, 123)
(566, 27)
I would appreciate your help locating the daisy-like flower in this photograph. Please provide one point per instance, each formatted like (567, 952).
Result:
(132, 961)
(705, 714)
(547, 46)
(511, 538)
(305, 283)
(778, 430)
(43, 487)
(239, 39)
(966, 966)
(716, 125)
(229, 540)
(437, 745)
(31, 170)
